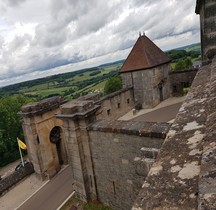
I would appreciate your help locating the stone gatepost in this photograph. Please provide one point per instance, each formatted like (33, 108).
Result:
(41, 128)
(76, 116)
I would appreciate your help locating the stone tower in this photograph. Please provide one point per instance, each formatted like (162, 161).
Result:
(207, 11)
(146, 70)
(44, 136)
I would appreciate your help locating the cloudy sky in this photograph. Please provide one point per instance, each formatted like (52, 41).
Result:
(43, 37)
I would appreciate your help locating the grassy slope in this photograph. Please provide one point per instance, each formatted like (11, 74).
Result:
(54, 86)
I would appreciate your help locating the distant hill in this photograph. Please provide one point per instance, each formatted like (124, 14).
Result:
(70, 85)
(196, 46)
(113, 63)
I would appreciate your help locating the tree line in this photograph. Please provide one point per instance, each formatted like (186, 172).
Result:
(183, 59)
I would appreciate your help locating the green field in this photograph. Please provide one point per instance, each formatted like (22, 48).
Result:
(70, 85)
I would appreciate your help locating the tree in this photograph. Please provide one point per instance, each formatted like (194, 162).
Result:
(183, 64)
(113, 84)
(179, 65)
(188, 63)
(10, 127)
(177, 54)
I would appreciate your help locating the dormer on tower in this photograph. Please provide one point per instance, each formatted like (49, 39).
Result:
(146, 69)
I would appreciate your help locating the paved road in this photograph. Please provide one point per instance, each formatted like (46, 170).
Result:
(164, 114)
(52, 194)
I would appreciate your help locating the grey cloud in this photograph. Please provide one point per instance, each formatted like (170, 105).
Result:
(88, 17)
(144, 2)
(127, 43)
(65, 11)
(56, 30)
(14, 3)
(159, 23)
(19, 41)
(92, 22)
(47, 37)
(1, 42)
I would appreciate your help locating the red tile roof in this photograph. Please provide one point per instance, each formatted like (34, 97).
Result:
(144, 55)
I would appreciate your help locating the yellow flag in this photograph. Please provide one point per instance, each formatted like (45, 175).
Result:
(21, 144)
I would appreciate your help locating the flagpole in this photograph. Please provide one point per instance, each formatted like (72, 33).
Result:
(20, 153)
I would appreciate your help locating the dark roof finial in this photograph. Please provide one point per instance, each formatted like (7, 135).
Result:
(139, 33)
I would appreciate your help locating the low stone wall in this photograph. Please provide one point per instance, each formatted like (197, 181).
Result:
(112, 106)
(183, 175)
(116, 104)
(122, 154)
(12, 179)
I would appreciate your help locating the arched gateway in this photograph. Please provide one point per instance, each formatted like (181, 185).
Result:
(44, 136)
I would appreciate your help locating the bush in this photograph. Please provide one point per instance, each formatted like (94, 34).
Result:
(183, 64)
(113, 84)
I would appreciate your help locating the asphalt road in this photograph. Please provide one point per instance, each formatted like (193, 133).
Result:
(164, 114)
(53, 194)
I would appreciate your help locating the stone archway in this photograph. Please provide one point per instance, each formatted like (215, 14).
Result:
(44, 136)
(55, 138)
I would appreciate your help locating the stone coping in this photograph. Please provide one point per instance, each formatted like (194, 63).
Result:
(111, 95)
(145, 129)
(79, 115)
(38, 108)
(77, 109)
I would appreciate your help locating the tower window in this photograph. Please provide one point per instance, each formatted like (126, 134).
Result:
(108, 112)
(114, 188)
(38, 141)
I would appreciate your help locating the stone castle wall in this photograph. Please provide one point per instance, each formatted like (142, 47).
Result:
(116, 104)
(181, 79)
(122, 154)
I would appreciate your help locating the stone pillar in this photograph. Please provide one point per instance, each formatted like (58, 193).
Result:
(76, 116)
(30, 133)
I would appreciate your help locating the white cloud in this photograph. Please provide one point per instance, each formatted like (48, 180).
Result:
(39, 35)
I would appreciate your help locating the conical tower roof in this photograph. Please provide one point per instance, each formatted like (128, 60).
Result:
(144, 55)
